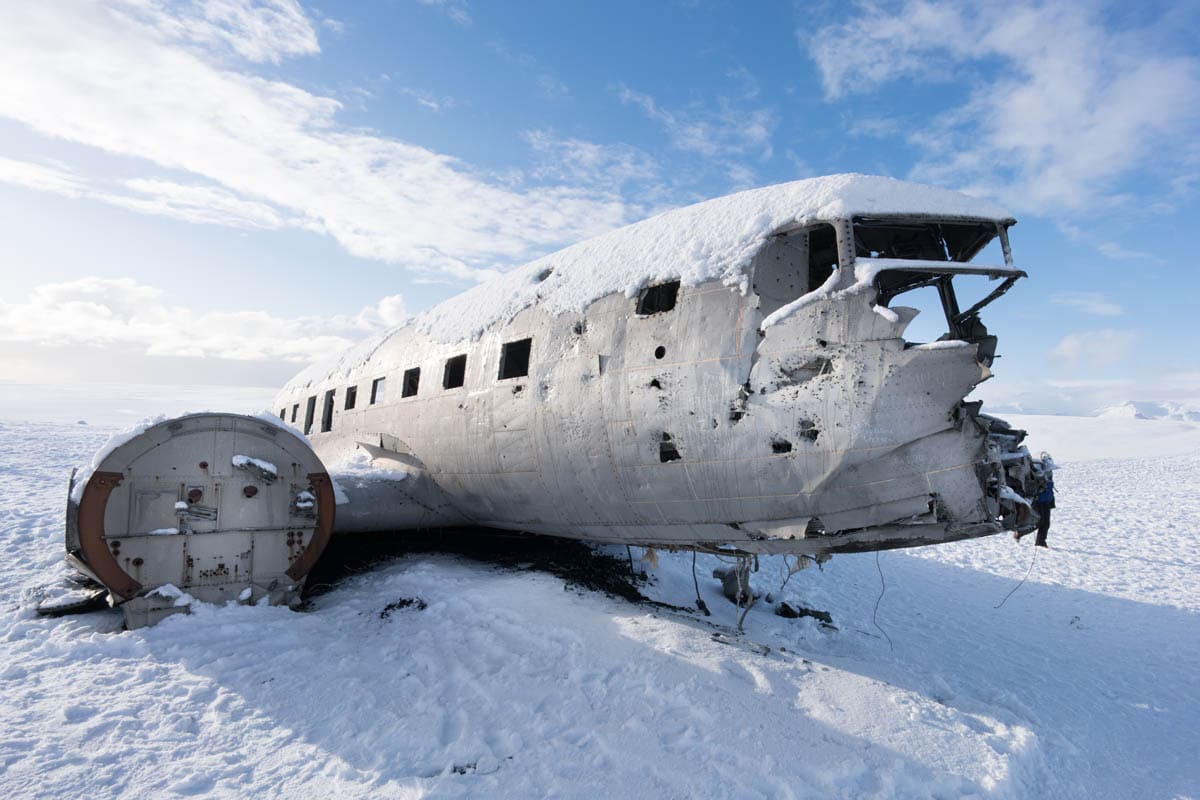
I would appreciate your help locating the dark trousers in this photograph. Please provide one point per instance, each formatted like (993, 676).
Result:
(1043, 510)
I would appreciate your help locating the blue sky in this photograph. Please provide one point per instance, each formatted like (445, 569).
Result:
(217, 191)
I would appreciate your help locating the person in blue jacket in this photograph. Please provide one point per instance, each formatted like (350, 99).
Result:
(1042, 505)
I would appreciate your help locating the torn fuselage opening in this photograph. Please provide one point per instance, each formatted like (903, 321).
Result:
(927, 261)
(793, 264)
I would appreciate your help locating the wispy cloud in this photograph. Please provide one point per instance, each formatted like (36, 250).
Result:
(433, 102)
(257, 30)
(1118, 252)
(124, 313)
(145, 80)
(1074, 108)
(548, 83)
(608, 167)
(207, 204)
(1089, 303)
(457, 10)
(731, 128)
(1094, 349)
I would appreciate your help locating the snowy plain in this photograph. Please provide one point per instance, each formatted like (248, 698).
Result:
(511, 683)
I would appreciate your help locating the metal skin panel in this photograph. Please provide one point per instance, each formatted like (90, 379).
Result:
(824, 432)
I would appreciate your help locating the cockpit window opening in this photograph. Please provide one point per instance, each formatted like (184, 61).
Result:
(921, 240)
(514, 357)
(378, 390)
(327, 412)
(310, 410)
(658, 299)
(931, 288)
(455, 373)
(412, 382)
(351, 397)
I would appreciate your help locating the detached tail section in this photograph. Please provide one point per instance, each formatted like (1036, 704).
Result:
(211, 507)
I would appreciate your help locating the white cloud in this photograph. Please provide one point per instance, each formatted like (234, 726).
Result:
(1065, 110)
(142, 80)
(1094, 349)
(122, 313)
(1089, 303)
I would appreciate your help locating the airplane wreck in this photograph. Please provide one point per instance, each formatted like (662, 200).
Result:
(733, 376)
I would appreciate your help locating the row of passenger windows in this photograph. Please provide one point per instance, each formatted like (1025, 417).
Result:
(514, 363)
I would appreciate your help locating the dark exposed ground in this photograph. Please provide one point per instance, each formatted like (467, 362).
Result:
(578, 564)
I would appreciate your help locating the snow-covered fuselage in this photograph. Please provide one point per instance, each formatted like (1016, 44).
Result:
(732, 375)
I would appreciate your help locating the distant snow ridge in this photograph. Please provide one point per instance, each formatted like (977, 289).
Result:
(1146, 409)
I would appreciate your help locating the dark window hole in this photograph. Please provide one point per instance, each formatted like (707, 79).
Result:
(667, 451)
(412, 382)
(657, 299)
(455, 373)
(514, 359)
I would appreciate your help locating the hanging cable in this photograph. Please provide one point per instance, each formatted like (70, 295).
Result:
(882, 589)
(699, 603)
(1028, 572)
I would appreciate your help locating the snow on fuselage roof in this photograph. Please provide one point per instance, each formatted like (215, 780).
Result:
(712, 240)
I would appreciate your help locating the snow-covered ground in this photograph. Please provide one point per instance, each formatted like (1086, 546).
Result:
(1083, 684)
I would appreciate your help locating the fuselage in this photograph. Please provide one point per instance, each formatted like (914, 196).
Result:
(756, 394)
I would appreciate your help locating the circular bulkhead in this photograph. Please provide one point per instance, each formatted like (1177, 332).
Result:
(220, 506)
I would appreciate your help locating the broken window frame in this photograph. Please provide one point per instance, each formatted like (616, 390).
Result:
(962, 325)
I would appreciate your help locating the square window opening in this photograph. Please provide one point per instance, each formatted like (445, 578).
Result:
(378, 390)
(327, 412)
(658, 299)
(514, 359)
(455, 374)
(412, 382)
(310, 410)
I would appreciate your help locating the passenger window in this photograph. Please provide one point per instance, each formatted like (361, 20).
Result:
(657, 299)
(455, 374)
(295, 412)
(514, 358)
(310, 410)
(351, 396)
(412, 381)
(327, 412)
(283, 415)
(378, 390)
